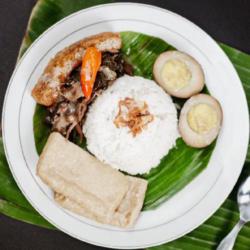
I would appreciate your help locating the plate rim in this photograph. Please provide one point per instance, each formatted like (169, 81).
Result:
(27, 52)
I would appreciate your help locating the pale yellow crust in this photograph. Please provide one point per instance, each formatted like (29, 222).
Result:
(126, 213)
(88, 187)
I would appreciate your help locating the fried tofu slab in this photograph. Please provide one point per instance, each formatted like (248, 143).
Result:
(88, 187)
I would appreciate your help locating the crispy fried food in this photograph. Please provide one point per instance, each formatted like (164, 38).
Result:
(47, 89)
(89, 187)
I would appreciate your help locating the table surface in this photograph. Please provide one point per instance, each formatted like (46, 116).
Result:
(225, 20)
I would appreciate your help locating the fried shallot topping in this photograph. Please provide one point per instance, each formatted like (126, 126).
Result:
(134, 115)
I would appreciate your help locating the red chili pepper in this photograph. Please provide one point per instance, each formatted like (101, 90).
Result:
(91, 63)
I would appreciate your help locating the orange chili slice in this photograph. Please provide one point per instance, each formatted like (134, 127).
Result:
(91, 63)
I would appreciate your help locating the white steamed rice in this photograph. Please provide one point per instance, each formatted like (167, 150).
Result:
(117, 146)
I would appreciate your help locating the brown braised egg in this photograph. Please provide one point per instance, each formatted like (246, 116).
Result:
(200, 120)
(179, 74)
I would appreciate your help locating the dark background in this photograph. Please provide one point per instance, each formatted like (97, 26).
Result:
(226, 21)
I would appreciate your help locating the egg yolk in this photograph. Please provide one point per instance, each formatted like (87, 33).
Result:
(175, 74)
(202, 118)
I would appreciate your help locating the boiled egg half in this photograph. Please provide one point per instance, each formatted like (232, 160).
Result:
(179, 74)
(200, 120)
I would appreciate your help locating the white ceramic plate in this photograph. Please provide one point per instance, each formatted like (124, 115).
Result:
(195, 203)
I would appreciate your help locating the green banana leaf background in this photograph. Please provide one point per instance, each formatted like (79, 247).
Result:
(207, 236)
(166, 179)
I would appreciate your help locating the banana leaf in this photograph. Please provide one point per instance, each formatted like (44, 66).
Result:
(207, 236)
(25, 215)
(12, 201)
(47, 12)
(165, 180)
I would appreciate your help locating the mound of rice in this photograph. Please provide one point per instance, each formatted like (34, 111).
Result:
(117, 146)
